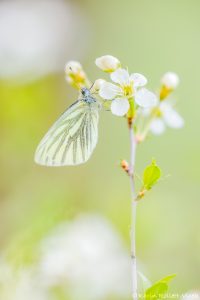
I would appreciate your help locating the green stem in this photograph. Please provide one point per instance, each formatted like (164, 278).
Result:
(141, 136)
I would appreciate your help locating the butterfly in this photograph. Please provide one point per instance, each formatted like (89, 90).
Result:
(73, 137)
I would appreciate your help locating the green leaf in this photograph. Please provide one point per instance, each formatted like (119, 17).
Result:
(159, 289)
(151, 175)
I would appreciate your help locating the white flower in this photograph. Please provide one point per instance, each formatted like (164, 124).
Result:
(170, 80)
(107, 63)
(167, 116)
(88, 257)
(126, 86)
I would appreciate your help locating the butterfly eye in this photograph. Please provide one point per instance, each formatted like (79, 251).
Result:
(85, 91)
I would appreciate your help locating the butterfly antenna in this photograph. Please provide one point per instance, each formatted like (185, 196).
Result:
(95, 92)
(91, 86)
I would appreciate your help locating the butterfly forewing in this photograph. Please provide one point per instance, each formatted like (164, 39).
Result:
(72, 138)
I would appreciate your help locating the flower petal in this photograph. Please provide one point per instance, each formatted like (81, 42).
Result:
(120, 76)
(157, 126)
(97, 84)
(109, 91)
(145, 98)
(145, 112)
(171, 116)
(138, 79)
(120, 106)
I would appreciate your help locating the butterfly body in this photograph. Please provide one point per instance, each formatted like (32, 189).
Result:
(86, 96)
(73, 137)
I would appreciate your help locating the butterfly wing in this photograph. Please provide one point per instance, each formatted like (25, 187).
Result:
(72, 138)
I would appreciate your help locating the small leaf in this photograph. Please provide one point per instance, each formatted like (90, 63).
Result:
(151, 175)
(159, 289)
(168, 278)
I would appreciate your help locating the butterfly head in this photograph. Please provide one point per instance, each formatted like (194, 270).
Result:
(86, 96)
(85, 92)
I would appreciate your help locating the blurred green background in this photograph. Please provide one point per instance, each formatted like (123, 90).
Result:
(151, 37)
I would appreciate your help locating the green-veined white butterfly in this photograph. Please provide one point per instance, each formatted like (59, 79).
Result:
(73, 137)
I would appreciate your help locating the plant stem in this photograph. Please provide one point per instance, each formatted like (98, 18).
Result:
(133, 212)
(143, 134)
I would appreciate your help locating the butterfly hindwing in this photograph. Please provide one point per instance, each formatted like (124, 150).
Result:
(72, 138)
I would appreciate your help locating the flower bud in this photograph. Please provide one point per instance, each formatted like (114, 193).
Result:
(107, 63)
(170, 80)
(125, 166)
(97, 84)
(75, 74)
(73, 67)
(141, 194)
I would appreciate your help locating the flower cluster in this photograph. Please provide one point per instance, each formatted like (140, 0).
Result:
(163, 114)
(126, 95)
(125, 87)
